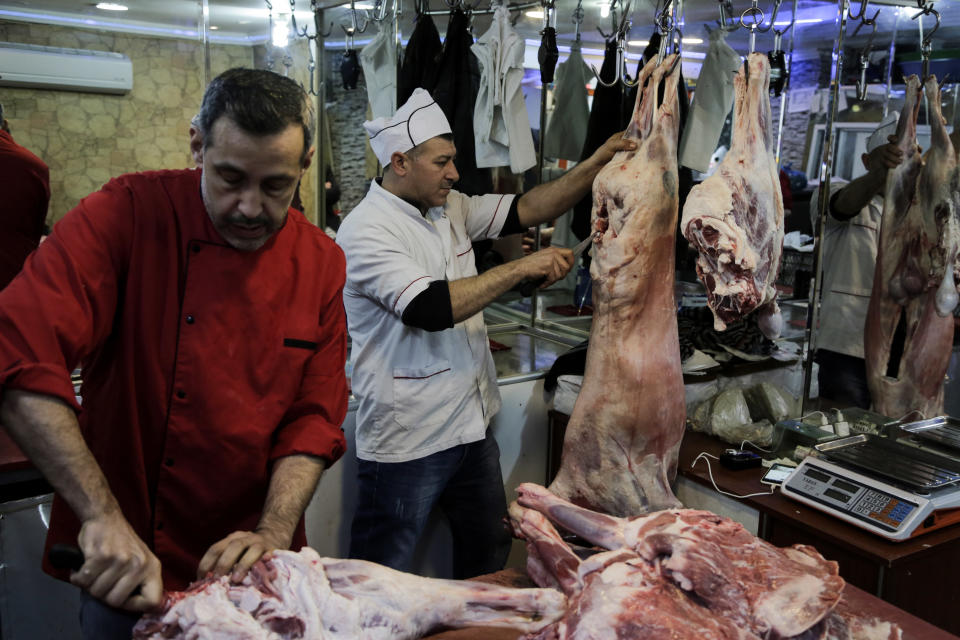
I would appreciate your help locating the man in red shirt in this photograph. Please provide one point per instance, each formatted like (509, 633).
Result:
(26, 194)
(208, 319)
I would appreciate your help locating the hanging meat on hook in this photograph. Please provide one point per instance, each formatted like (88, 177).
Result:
(915, 277)
(734, 218)
(621, 444)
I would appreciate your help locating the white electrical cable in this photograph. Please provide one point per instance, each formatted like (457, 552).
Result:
(705, 457)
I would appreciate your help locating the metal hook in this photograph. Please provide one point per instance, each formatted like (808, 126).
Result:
(926, 48)
(578, 18)
(621, 66)
(864, 57)
(863, 9)
(757, 13)
(773, 17)
(379, 11)
(726, 10)
(613, 22)
(356, 24)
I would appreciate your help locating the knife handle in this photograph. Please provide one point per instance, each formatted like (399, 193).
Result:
(527, 286)
(65, 556)
(69, 556)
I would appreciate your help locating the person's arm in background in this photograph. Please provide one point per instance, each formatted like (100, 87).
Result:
(847, 202)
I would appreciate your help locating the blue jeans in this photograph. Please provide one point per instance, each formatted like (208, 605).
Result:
(395, 500)
(100, 621)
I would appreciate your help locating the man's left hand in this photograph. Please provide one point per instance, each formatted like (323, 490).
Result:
(236, 553)
(614, 143)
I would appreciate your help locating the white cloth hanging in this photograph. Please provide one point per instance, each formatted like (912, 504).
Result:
(711, 103)
(500, 119)
(567, 128)
(379, 62)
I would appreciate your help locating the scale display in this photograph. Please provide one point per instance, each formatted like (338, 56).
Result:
(866, 502)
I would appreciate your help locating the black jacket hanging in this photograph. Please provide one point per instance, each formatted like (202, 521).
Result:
(419, 67)
(458, 83)
(611, 111)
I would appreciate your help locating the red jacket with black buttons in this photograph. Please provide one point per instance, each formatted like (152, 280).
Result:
(201, 364)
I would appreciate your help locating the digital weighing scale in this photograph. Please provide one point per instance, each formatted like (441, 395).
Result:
(881, 485)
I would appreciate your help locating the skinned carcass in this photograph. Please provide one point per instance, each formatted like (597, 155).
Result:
(916, 272)
(734, 218)
(679, 574)
(622, 440)
(291, 595)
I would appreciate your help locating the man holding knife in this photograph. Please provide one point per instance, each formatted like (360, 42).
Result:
(422, 369)
(208, 318)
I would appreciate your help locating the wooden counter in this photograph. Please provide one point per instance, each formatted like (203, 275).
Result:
(856, 600)
(917, 575)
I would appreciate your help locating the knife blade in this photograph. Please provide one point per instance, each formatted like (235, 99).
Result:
(527, 286)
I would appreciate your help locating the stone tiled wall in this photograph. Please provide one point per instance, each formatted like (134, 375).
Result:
(87, 138)
(804, 74)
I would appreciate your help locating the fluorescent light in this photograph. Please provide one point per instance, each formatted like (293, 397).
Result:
(638, 43)
(692, 40)
(281, 31)
(534, 14)
(110, 6)
(605, 10)
(213, 27)
(783, 23)
(363, 6)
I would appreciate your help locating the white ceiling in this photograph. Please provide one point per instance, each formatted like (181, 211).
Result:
(247, 20)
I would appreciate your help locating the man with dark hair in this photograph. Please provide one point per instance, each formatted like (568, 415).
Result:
(208, 319)
(26, 195)
(422, 370)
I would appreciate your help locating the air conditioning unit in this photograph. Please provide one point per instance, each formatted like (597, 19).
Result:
(60, 68)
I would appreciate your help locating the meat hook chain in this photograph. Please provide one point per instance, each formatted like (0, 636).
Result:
(926, 48)
(621, 36)
(726, 10)
(864, 57)
(578, 18)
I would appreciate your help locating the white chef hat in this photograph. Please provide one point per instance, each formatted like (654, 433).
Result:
(885, 129)
(419, 119)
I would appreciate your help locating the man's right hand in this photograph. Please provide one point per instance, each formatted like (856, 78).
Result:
(886, 156)
(116, 564)
(552, 263)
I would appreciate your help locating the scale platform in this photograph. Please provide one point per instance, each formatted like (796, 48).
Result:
(881, 485)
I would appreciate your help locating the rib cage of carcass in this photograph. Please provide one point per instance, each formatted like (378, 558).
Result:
(621, 444)
(681, 574)
(734, 218)
(292, 596)
(917, 269)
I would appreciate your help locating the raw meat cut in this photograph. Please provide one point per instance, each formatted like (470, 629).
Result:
(621, 444)
(301, 595)
(677, 572)
(734, 218)
(916, 272)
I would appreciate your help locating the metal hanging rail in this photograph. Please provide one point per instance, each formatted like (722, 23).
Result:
(826, 167)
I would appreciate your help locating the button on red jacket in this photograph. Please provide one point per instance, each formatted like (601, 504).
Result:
(202, 364)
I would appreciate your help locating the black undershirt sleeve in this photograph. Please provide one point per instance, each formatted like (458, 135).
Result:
(431, 310)
(837, 215)
(512, 224)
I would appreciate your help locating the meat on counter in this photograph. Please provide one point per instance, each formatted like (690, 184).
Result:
(681, 574)
(301, 595)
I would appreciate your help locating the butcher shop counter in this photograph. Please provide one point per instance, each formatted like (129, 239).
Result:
(917, 575)
(857, 599)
